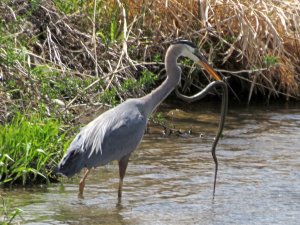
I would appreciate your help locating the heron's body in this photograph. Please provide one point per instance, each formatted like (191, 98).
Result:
(107, 137)
(117, 132)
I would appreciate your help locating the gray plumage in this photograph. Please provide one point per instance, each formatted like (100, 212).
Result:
(117, 132)
(112, 135)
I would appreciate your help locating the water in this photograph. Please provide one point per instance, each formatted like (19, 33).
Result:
(170, 179)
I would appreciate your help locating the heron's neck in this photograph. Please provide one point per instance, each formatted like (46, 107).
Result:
(153, 99)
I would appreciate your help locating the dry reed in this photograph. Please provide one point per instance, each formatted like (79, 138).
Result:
(256, 43)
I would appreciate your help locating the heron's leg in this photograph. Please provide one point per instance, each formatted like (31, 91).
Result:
(122, 170)
(82, 181)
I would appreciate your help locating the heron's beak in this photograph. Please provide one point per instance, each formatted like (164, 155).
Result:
(203, 62)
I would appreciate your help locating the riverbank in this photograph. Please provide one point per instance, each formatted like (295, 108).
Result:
(65, 60)
(63, 54)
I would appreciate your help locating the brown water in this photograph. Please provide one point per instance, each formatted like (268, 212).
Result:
(170, 179)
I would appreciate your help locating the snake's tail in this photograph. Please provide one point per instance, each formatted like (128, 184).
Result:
(224, 108)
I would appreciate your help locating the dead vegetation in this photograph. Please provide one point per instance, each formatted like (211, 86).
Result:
(102, 44)
(256, 42)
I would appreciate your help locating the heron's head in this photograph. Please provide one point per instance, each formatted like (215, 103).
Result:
(191, 51)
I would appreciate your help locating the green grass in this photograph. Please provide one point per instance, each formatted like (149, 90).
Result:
(69, 7)
(57, 85)
(30, 148)
(7, 215)
(159, 118)
(147, 79)
(270, 60)
(145, 82)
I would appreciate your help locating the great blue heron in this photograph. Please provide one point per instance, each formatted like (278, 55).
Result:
(116, 133)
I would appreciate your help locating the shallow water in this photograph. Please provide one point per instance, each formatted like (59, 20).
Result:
(170, 178)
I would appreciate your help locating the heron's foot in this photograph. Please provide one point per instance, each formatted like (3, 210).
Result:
(119, 203)
(82, 183)
(122, 170)
(81, 187)
(120, 194)
(80, 196)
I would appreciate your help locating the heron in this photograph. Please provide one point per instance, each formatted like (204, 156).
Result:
(117, 132)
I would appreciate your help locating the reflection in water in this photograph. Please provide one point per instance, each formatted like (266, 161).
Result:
(170, 179)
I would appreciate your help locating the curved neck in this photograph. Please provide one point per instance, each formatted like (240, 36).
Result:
(153, 99)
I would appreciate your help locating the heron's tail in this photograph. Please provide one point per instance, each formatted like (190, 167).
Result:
(71, 163)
